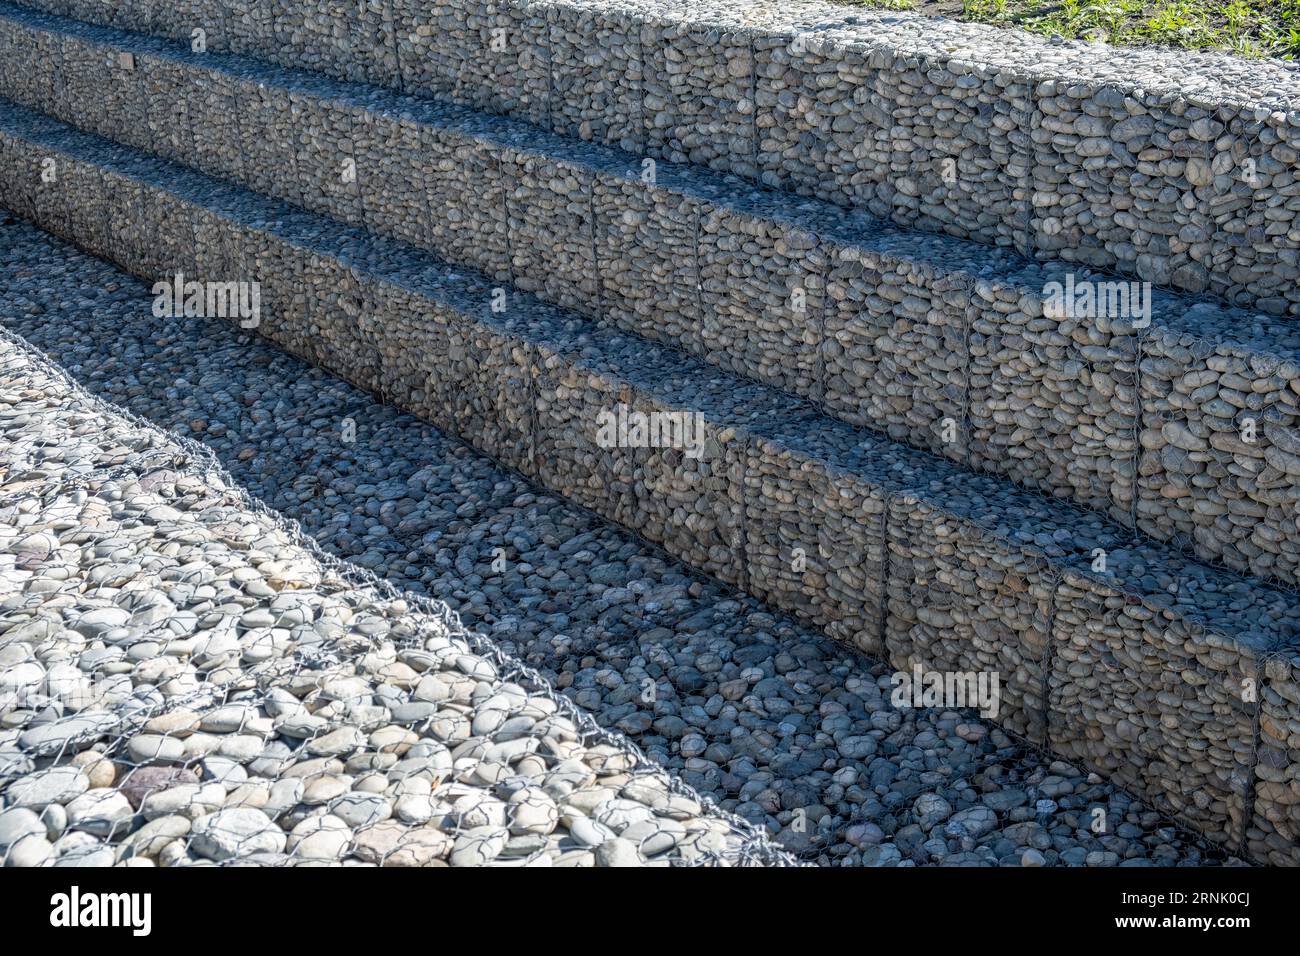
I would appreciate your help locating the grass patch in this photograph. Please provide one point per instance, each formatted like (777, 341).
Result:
(1247, 28)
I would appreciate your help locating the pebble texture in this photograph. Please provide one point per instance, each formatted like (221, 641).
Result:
(1197, 670)
(792, 731)
(1277, 807)
(937, 342)
(697, 511)
(1177, 167)
(1220, 443)
(972, 571)
(188, 682)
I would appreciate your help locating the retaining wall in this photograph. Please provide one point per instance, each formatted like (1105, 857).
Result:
(938, 343)
(974, 574)
(1180, 168)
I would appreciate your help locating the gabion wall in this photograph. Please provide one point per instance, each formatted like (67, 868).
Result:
(816, 503)
(1175, 167)
(1220, 464)
(973, 569)
(974, 575)
(896, 352)
(1275, 826)
(631, 217)
(1145, 685)
(936, 342)
(1052, 398)
(761, 292)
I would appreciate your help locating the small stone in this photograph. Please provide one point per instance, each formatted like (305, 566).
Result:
(17, 823)
(228, 834)
(930, 810)
(152, 837)
(531, 810)
(337, 743)
(68, 735)
(100, 771)
(140, 783)
(154, 748)
(55, 785)
(320, 838)
(618, 852)
(30, 851)
(479, 846)
(101, 812)
(361, 809)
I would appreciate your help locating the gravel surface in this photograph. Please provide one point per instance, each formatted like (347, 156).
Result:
(779, 724)
(185, 682)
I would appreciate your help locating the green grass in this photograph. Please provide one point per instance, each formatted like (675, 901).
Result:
(1248, 28)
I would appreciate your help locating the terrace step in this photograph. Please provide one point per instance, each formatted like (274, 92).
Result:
(1138, 662)
(1176, 167)
(1187, 430)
